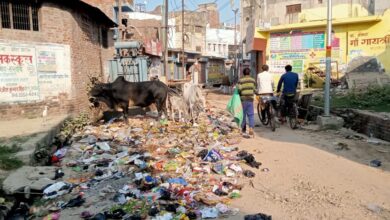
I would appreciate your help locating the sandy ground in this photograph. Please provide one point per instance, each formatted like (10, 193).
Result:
(310, 178)
(23, 127)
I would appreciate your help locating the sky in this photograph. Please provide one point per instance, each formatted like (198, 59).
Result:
(225, 10)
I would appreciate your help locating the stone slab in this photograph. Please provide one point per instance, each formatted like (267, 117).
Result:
(38, 177)
(330, 123)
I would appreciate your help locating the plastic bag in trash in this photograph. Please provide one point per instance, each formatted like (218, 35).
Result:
(179, 180)
(103, 146)
(166, 216)
(209, 212)
(234, 107)
(213, 156)
(60, 153)
(56, 190)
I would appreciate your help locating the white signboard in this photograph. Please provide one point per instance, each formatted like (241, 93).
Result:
(33, 72)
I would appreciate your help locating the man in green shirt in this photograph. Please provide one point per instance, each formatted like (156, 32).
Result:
(247, 87)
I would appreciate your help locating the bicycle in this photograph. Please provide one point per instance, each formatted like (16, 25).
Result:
(268, 114)
(292, 110)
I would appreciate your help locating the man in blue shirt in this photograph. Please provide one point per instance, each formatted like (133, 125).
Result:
(290, 83)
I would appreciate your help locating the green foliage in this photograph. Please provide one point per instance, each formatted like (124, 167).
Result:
(7, 157)
(374, 98)
(134, 207)
(73, 125)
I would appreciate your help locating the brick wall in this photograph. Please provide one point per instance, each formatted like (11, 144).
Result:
(365, 122)
(62, 25)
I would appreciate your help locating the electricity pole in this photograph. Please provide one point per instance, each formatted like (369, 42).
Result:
(182, 38)
(328, 61)
(165, 36)
(235, 75)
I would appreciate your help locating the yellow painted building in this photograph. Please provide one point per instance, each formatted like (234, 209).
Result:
(303, 44)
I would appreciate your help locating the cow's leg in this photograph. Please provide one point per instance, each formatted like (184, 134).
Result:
(192, 112)
(164, 108)
(161, 107)
(158, 105)
(172, 114)
(125, 108)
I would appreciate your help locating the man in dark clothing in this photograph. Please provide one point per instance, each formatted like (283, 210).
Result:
(290, 83)
(247, 87)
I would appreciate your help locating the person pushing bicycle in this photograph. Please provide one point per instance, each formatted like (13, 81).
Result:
(265, 85)
(289, 80)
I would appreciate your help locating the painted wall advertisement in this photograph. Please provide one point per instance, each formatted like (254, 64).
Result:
(300, 50)
(362, 43)
(33, 72)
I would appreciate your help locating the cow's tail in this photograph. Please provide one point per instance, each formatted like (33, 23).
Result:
(173, 92)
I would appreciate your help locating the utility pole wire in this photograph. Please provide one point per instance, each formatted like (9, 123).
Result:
(182, 38)
(167, 75)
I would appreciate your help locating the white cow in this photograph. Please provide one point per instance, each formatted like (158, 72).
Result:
(176, 103)
(194, 99)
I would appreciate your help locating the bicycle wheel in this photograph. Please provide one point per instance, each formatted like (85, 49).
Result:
(271, 117)
(262, 116)
(293, 116)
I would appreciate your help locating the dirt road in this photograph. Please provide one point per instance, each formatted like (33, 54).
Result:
(310, 178)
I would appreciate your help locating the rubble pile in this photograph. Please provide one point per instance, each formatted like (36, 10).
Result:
(148, 169)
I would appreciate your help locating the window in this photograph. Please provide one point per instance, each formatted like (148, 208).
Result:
(18, 14)
(198, 49)
(104, 38)
(319, 1)
(214, 48)
(86, 26)
(292, 12)
(292, 9)
(209, 47)
(198, 29)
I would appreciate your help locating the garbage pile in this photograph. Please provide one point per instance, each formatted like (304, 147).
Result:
(148, 169)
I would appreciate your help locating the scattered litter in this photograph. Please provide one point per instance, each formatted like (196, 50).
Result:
(166, 216)
(90, 139)
(218, 168)
(52, 216)
(209, 212)
(235, 194)
(103, 146)
(86, 215)
(235, 168)
(76, 202)
(249, 159)
(60, 153)
(249, 173)
(212, 156)
(265, 170)
(147, 170)
(259, 216)
(375, 163)
(59, 174)
(180, 181)
(56, 189)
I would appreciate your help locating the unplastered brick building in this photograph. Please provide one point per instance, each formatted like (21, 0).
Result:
(48, 51)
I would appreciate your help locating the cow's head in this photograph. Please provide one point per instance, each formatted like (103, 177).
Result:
(98, 92)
